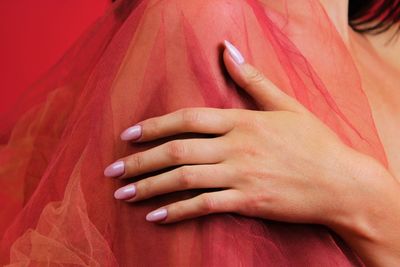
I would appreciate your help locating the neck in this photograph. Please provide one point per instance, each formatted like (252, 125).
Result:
(382, 44)
(387, 46)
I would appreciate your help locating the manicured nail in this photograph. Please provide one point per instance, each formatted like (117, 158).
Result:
(234, 53)
(125, 192)
(157, 215)
(132, 133)
(114, 170)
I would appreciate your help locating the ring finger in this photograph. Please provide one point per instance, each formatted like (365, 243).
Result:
(183, 178)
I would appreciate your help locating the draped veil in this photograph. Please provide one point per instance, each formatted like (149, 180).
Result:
(146, 58)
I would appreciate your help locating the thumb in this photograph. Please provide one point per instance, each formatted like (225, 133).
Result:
(264, 92)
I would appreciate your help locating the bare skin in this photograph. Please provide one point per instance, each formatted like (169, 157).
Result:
(379, 66)
(378, 63)
(378, 60)
(345, 190)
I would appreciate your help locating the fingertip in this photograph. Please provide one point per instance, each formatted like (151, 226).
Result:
(228, 59)
(132, 133)
(235, 71)
(157, 215)
(125, 193)
(114, 170)
(234, 53)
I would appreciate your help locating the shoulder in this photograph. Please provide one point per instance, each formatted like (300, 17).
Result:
(205, 17)
(213, 10)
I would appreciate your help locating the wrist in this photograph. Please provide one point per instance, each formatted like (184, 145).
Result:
(369, 219)
(368, 185)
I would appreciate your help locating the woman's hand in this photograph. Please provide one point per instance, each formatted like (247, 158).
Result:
(281, 163)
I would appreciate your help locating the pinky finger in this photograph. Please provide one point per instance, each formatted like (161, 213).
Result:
(206, 203)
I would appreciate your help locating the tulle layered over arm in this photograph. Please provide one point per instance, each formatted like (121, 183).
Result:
(144, 59)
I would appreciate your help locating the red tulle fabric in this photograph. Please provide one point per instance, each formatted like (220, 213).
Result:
(146, 58)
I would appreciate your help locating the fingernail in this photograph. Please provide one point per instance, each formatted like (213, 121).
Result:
(157, 215)
(234, 53)
(115, 169)
(132, 133)
(125, 192)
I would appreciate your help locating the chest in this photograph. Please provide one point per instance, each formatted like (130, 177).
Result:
(382, 87)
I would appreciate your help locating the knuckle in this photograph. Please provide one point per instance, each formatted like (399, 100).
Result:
(152, 127)
(252, 175)
(252, 205)
(190, 117)
(251, 151)
(177, 211)
(185, 177)
(246, 174)
(176, 151)
(207, 204)
(144, 189)
(248, 151)
(255, 77)
(255, 200)
(255, 123)
(136, 162)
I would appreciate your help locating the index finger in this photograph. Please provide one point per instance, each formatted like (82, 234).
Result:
(188, 120)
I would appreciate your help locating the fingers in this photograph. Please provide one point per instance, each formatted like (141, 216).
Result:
(183, 178)
(190, 120)
(256, 84)
(206, 203)
(173, 153)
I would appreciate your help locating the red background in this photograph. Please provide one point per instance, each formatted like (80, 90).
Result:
(34, 35)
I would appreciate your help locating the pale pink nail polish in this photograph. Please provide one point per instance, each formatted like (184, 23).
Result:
(114, 170)
(125, 192)
(157, 215)
(234, 53)
(132, 133)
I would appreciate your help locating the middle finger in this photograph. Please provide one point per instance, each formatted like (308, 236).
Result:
(173, 153)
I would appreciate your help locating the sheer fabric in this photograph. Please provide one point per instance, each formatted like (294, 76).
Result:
(146, 58)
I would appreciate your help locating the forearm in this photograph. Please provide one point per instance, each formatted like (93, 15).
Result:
(371, 224)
